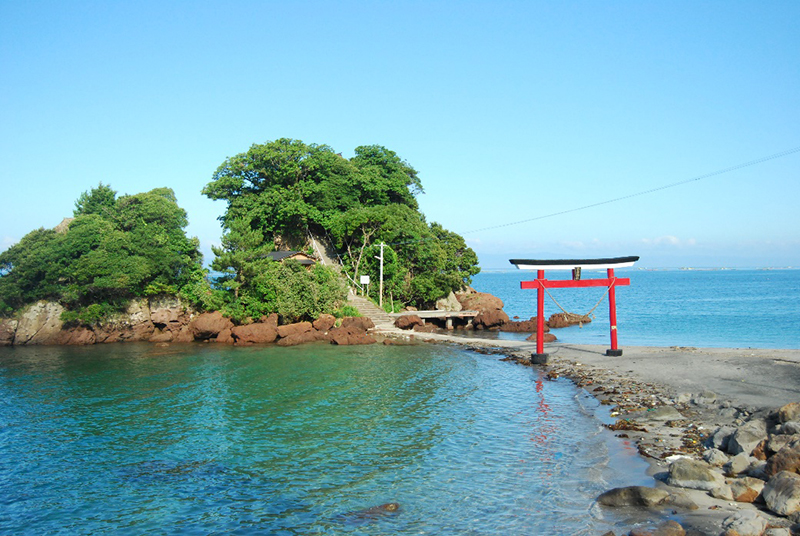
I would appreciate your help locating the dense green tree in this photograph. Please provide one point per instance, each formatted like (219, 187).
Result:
(242, 255)
(98, 200)
(112, 252)
(388, 179)
(28, 270)
(287, 189)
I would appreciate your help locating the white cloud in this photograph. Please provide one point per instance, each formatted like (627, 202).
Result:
(667, 240)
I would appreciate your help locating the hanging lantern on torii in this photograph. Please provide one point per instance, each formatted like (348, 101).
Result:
(541, 284)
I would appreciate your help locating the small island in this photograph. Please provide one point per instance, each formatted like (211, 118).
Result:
(302, 224)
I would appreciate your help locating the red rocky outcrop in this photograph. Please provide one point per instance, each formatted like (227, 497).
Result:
(302, 338)
(547, 337)
(209, 325)
(490, 319)
(76, 337)
(359, 322)
(478, 301)
(272, 320)
(525, 326)
(258, 333)
(294, 329)
(563, 320)
(350, 335)
(324, 323)
(225, 337)
(408, 322)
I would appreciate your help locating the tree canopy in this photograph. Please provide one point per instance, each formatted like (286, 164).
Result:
(115, 249)
(284, 190)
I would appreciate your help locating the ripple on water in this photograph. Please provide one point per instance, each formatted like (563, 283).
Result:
(209, 440)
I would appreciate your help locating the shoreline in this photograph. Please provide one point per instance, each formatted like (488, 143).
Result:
(669, 402)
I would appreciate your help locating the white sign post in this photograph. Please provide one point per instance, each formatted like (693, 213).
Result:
(364, 283)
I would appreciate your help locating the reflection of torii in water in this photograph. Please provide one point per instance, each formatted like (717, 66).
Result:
(545, 428)
(542, 284)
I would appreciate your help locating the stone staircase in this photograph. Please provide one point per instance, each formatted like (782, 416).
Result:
(382, 320)
(326, 254)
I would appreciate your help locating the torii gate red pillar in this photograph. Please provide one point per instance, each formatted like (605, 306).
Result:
(540, 284)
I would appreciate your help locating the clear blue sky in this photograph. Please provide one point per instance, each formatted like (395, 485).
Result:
(508, 110)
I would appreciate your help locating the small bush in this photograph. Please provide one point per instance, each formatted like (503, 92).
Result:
(347, 310)
(93, 314)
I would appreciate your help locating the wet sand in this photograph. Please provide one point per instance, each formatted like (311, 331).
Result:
(757, 378)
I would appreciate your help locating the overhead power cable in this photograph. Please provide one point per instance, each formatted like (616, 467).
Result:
(666, 186)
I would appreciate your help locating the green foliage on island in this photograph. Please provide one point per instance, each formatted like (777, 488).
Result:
(114, 250)
(280, 193)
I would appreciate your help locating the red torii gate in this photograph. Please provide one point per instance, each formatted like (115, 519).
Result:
(540, 283)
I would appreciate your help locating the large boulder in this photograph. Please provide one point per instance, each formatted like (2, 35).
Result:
(747, 437)
(782, 493)
(208, 325)
(294, 329)
(39, 324)
(183, 334)
(358, 322)
(78, 336)
(744, 523)
(478, 301)
(271, 319)
(161, 336)
(564, 320)
(524, 326)
(225, 337)
(786, 459)
(324, 323)
(489, 319)
(450, 303)
(633, 496)
(547, 337)
(721, 437)
(350, 335)
(258, 333)
(746, 489)
(8, 327)
(408, 322)
(776, 442)
(789, 412)
(688, 473)
(302, 338)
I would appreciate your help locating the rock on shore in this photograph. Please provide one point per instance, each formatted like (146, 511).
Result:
(726, 469)
(166, 319)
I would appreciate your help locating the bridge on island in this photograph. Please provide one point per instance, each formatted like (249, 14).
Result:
(447, 316)
(385, 321)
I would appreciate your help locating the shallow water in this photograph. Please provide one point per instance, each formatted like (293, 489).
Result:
(702, 308)
(202, 439)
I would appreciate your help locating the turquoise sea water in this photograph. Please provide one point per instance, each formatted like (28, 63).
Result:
(205, 439)
(702, 308)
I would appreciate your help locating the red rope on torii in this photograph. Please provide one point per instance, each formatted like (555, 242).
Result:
(541, 284)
